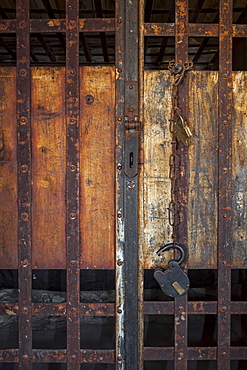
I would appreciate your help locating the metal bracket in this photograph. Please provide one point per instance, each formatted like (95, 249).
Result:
(132, 127)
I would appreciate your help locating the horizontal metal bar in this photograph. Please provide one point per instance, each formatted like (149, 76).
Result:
(167, 353)
(59, 25)
(9, 355)
(239, 30)
(55, 355)
(97, 356)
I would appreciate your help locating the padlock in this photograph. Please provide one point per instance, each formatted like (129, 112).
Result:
(173, 281)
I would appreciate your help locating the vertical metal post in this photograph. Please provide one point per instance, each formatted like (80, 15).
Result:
(72, 184)
(24, 184)
(127, 183)
(181, 53)
(224, 182)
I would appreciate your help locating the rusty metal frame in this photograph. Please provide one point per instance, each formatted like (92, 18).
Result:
(127, 75)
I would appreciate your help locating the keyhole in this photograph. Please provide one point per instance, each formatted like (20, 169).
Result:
(131, 159)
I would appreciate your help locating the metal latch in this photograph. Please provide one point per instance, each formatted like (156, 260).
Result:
(132, 127)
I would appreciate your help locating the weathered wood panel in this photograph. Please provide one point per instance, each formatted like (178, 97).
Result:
(239, 171)
(97, 167)
(203, 170)
(49, 168)
(8, 170)
(157, 150)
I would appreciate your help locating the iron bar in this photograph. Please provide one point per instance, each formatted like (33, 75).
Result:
(23, 90)
(224, 183)
(72, 184)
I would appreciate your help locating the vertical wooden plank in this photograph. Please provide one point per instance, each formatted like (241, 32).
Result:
(239, 175)
(8, 170)
(97, 145)
(202, 200)
(49, 168)
(157, 150)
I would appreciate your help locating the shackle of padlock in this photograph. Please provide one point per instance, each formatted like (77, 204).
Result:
(177, 246)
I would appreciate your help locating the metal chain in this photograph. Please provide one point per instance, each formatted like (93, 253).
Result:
(175, 217)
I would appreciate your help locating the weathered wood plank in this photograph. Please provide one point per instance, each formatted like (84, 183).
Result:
(8, 170)
(49, 168)
(202, 202)
(157, 150)
(97, 167)
(239, 173)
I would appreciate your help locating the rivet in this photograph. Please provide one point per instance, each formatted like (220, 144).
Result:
(72, 120)
(72, 216)
(24, 168)
(23, 72)
(119, 263)
(24, 216)
(22, 24)
(223, 353)
(24, 263)
(119, 167)
(119, 215)
(224, 216)
(224, 308)
(119, 70)
(131, 109)
(89, 99)
(120, 21)
(73, 357)
(119, 119)
(119, 358)
(131, 87)
(73, 309)
(72, 23)
(72, 72)
(224, 169)
(25, 310)
(72, 167)
(23, 120)
(72, 263)
(119, 310)
(225, 123)
(181, 308)
(25, 357)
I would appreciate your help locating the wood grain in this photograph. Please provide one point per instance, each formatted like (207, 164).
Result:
(8, 171)
(97, 167)
(203, 170)
(239, 173)
(49, 165)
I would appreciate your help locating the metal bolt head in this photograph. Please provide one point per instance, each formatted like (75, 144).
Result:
(72, 72)
(119, 215)
(72, 216)
(119, 310)
(72, 263)
(23, 72)
(23, 120)
(119, 167)
(119, 263)
(72, 167)
(119, 70)
(120, 21)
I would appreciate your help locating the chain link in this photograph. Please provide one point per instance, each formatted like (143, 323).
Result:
(174, 209)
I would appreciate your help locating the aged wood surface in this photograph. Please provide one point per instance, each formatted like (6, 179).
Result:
(97, 167)
(49, 165)
(157, 149)
(239, 173)
(8, 170)
(202, 201)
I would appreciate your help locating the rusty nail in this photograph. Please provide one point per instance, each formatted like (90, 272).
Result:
(24, 263)
(119, 70)
(72, 263)
(24, 168)
(119, 310)
(119, 263)
(119, 167)
(23, 72)
(72, 72)
(119, 215)
(72, 216)
(72, 167)
(23, 120)
(119, 119)
(24, 216)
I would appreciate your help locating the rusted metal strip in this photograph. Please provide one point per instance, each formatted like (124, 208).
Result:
(49, 309)
(166, 353)
(97, 309)
(238, 353)
(224, 183)
(72, 184)
(180, 303)
(23, 96)
(169, 29)
(159, 29)
(9, 355)
(167, 308)
(203, 30)
(9, 309)
(120, 227)
(41, 355)
(158, 353)
(97, 356)
(239, 30)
